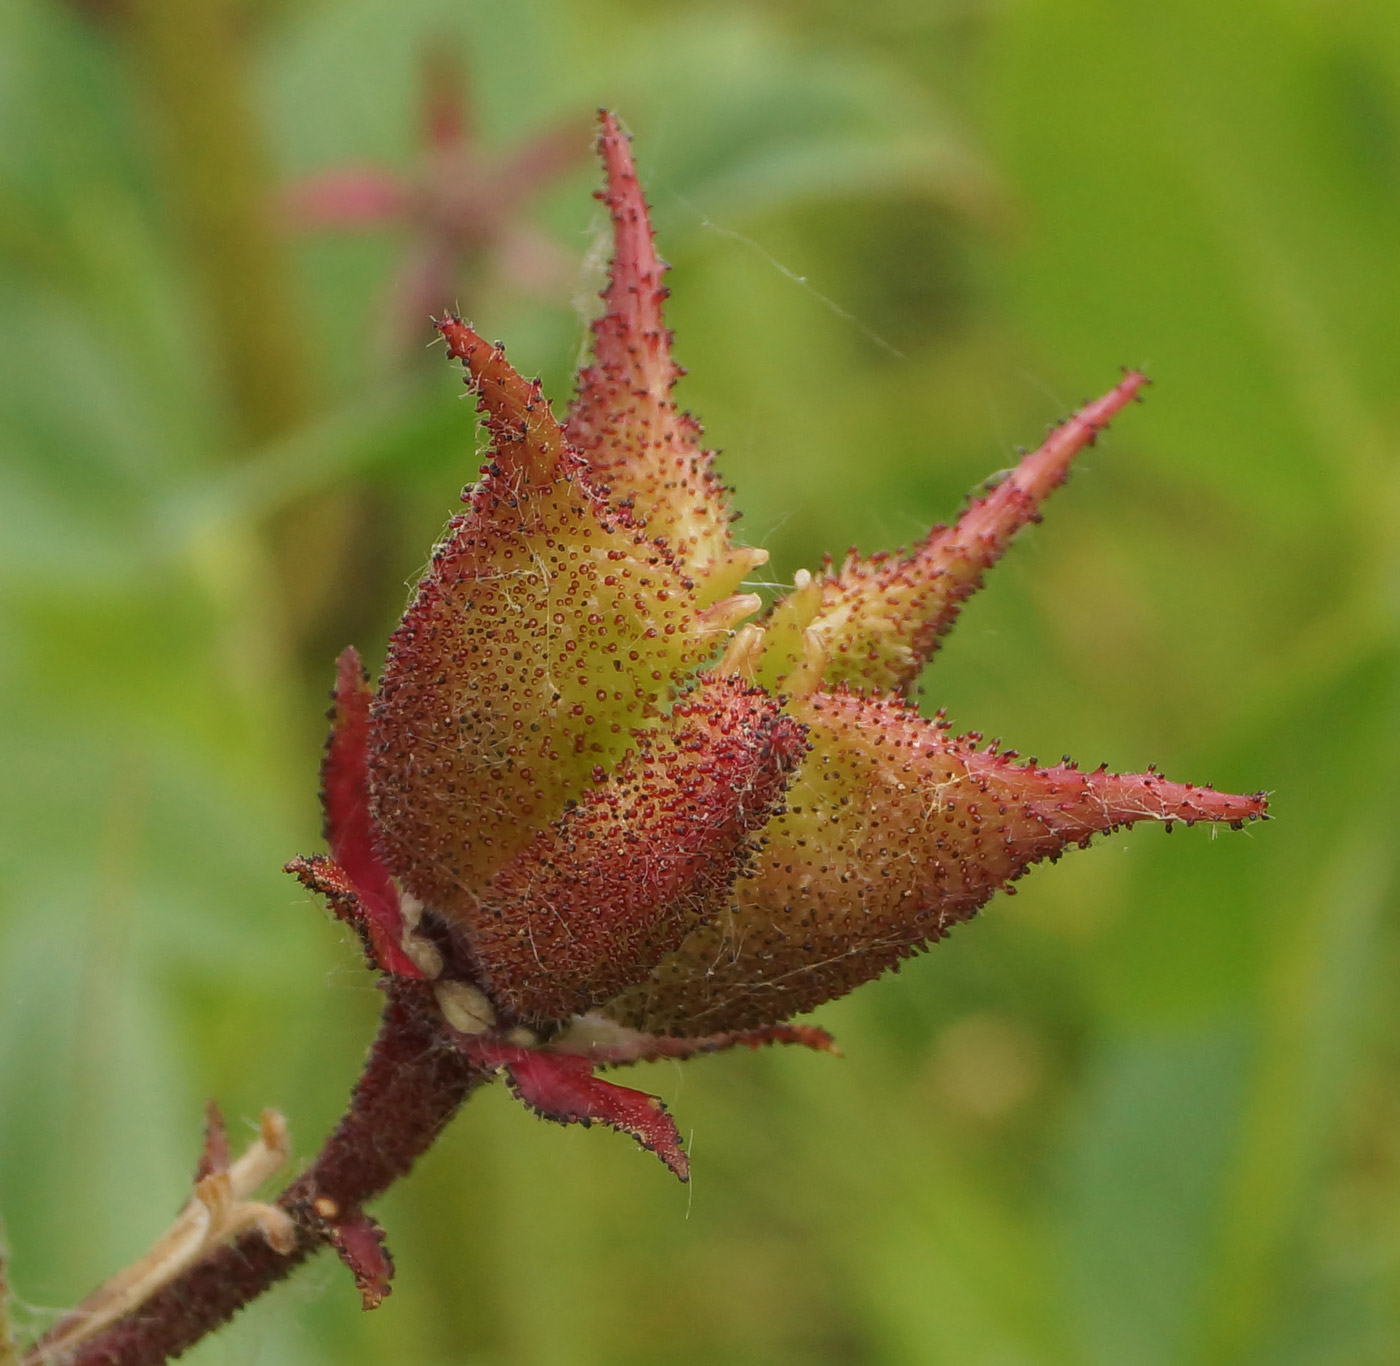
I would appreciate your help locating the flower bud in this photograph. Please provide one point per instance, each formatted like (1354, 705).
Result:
(611, 819)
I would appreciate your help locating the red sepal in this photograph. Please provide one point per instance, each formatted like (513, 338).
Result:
(606, 1043)
(894, 832)
(649, 852)
(563, 1088)
(359, 1243)
(879, 619)
(383, 951)
(638, 445)
(348, 826)
(545, 632)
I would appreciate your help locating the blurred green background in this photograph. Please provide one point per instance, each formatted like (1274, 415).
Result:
(1148, 1111)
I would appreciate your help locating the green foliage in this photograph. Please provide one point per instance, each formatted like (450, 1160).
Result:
(1144, 1112)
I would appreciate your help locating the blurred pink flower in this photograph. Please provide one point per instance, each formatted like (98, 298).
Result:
(462, 209)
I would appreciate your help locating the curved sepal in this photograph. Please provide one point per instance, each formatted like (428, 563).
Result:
(876, 622)
(360, 1243)
(638, 445)
(605, 1043)
(647, 853)
(895, 831)
(544, 633)
(381, 937)
(346, 824)
(563, 1088)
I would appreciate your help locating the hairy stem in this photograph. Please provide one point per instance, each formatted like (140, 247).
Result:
(413, 1083)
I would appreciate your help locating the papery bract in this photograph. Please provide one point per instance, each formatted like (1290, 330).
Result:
(611, 821)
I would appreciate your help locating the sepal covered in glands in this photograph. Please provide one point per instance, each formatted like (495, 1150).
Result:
(646, 854)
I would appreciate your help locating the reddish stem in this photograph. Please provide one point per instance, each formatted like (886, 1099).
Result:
(413, 1083)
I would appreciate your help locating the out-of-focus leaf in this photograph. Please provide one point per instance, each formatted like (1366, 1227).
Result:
(1145, 1179)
